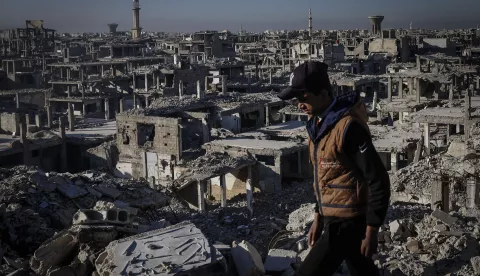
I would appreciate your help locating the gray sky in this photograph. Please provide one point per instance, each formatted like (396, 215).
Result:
(253, 15)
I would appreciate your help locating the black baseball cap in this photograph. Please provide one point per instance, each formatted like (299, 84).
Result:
(309, 76)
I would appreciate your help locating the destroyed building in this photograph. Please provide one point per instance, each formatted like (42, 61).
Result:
(136, 141)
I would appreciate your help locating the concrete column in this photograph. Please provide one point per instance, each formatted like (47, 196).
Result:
(400, 117)
(267, 115)
(249, 187)
(419, 64)
(107, 109)
(17, 99)
(71, 118)
(180, 89)
(82, 74)
(27, 121)
(426, 138)
(224, 84)
(394, 161)
(437, 89)
(450, 93)
(122, 105)
(205, 131)
(270, 76)
(134, 101)
(27, 155)
(389, 89)
(410, 86)
(48, 109)
(38, 120)
(158, 81)
(468, 105)
(63, 152)
(201, 196)
(102, 70)
(84, 109)
(69, 91)
(146, 82)
(400, 88)
(134, 81)
(418, 90)
(379, 115)
(223, 187)
(472, 193)
(440, 195)
(199, 90)
(146, 101)
(458, 128)
(69, 72)
(206, 84)
(284, 117)
(477, 82)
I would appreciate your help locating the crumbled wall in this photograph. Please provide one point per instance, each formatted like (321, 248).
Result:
(9, 123)
(167, 141)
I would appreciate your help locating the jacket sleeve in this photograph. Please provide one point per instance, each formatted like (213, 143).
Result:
(359, 148)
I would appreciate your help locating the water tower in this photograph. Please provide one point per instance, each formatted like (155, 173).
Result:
(113, 28)
(376, 23)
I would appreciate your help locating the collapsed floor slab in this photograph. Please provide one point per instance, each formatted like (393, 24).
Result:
(168, 251)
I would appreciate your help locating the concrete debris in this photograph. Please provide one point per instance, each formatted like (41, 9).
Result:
(248, 261)
(444, 217)
(300, 218)
(170, 251)
(279, 260)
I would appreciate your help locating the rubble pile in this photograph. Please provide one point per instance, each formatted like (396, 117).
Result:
(414, 241)
(220, 133)
(216, 163)
(417, 178)
(166, 105)
(234, 223)
(35, 205)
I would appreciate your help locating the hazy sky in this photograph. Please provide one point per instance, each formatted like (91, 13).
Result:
(254, 15)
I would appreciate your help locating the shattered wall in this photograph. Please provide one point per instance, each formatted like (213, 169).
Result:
(380, 45)
(165, 139)
(9, 122)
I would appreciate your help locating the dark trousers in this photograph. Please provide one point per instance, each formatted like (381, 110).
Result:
(341, 241)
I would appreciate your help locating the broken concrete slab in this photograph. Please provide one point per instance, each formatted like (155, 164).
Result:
(71, 191)
(94, 192)
(53, 252)
(42, 182)
(279, 260)
(444, 217)
(169, 251)
(247, 259)
(144, 197)
(111, 192)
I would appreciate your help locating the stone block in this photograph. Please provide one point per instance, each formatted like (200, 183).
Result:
(444, 217)
(112, 216)
(279, 260)
(413, 246)
(68, 189)
(94, 192)
(53, 252)
(42, 182)
(300, 218)
(248, 261)
(111, 192)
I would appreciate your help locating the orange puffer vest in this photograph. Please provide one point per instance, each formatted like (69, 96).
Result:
(340, 191)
